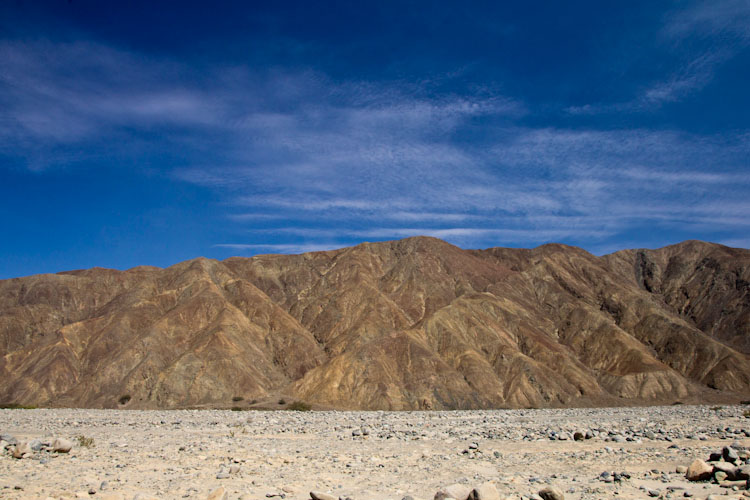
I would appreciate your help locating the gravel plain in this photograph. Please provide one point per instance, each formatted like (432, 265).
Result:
(584, 453)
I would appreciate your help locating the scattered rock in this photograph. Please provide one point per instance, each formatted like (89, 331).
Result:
(218, 494)
(22, 450)
(422, 446)
(316, 495)
(729, 470)
(742, 472)
(550, 493)
(699, 471)
(455, 491)
(730, 454)
(486, 491)
(8, 439)
(62, 445)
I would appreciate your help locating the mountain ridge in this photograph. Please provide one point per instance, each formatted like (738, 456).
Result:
(405, 324)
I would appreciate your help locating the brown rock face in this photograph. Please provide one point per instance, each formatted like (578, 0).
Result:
(707, 285)
(699, 471)
(410, 324)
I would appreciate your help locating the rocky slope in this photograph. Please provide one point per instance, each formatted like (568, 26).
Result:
(409, 324)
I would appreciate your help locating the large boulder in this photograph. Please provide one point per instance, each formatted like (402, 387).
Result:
(486, 491)
(699, 471)
(62, 445)
(727, 468)
(455, 491)
(317, 495)
(550, 493)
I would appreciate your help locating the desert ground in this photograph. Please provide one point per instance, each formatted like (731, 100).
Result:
(584, 453)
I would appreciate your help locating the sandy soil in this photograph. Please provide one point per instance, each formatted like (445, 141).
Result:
(366, 455)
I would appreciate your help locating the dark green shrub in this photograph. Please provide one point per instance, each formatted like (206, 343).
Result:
(124, 399)
(299, 406)
(16, 406)
(85, 442)
(237, 398)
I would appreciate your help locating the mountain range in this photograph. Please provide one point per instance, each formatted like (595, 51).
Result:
(398, 325)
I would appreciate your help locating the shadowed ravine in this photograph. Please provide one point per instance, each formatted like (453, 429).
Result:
(409, 324)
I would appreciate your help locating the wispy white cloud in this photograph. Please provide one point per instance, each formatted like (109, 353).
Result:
(311, 203)
(693, 76)
(475, 234)
(316, 163)
(709, 18)
(441, 217)
(681, 176)
(255, 216)
(281, 248)
(716, 33)
(531, 185)
(467, 236)
(68, 92)
(689, 78)
(367, 211)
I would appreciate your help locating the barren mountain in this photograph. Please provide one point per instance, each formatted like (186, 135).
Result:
(409, 324)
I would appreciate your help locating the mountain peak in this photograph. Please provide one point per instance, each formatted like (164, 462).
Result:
(405, 324)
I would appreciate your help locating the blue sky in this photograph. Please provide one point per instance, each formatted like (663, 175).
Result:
(141, 133)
